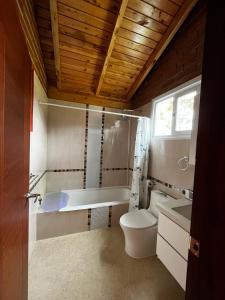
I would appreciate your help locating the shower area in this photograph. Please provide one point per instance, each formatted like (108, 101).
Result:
(74, 151)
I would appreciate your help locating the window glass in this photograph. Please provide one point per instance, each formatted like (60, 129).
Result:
(184, 113)
(163, 117)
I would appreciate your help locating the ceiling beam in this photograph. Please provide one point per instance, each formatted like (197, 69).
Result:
(112, 43)
(54, 93)
(55, 37)
(30, 30)
(167, 37)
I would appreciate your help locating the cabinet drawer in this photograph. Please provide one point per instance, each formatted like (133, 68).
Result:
(176, 236)
(176, 265)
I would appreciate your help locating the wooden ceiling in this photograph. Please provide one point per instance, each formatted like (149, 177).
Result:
(101, 50)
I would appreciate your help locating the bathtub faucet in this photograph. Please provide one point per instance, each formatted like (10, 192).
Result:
(37, 197)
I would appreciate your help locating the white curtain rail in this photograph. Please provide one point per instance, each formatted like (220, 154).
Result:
(94, 110)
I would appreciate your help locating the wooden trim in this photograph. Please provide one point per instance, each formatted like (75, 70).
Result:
(171, 31)
(29, 27)
(112, 43)
(54, 93)
(55, 37)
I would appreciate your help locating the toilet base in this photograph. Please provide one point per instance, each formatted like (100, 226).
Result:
(140, 243)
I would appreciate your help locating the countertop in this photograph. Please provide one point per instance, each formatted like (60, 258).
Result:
(166, 209)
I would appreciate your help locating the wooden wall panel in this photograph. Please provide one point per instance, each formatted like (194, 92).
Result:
(181, 62)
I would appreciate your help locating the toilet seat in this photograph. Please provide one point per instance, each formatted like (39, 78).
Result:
(138, 219)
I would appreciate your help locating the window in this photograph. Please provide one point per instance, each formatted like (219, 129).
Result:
(173, 115)
(184, 113)
(164, 117)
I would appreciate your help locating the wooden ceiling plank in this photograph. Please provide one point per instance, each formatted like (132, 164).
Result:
(116, 82)
(114, 88)
(130, 52)
(133, 45)
(123, 63)
(132, 26)
(77, 74)
(135, 37)
(128, 58)
(55, 38)
(112, 42)
(79, 68)
(150, 11)
(74, 24)
(43, 13)
(121, 70)
(112, 6)
(171, 31)
(82, 44)
(80, 57)
(164, 5)
(44, 23)
(91, 9)
(84, 17)
(127, 79)
(178, 2)
(146, 21)
(42, 3)
(83, 36)
(74, 62)
(119, 95)
(88, 52)
(78, 79)
(53, 93)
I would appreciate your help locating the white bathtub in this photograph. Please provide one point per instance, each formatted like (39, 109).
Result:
(91, 198)
(82, 210)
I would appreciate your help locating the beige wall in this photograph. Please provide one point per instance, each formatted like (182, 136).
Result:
(163, 162)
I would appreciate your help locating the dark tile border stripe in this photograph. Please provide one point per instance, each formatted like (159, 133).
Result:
(110, 217)
(85, 148)
(102, 146)
(66, 170)
(89, 219)
(115, 169)
(173, 187)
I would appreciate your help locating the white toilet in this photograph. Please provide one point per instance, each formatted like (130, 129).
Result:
(140, 227)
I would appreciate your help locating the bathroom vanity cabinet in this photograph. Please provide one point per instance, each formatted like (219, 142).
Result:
(172, 248)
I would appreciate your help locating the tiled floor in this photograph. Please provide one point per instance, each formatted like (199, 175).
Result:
(93, 265)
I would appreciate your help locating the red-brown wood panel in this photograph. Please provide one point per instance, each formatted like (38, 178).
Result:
(15, 99)
(206, 278)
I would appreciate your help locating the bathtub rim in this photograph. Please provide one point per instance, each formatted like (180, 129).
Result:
(89, 206)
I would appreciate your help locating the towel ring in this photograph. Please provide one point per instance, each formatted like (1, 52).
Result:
(183, 163)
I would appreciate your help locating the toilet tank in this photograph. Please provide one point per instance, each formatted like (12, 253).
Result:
(157, 197)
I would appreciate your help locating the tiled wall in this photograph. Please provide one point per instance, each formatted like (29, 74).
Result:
(66, 148)
(86, 149)
(115, 156)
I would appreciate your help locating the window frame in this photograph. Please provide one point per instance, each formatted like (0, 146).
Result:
(188, 87)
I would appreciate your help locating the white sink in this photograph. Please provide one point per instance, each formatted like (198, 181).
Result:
(185, 211)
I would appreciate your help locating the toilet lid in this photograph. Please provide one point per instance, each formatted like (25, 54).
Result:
(138, 219)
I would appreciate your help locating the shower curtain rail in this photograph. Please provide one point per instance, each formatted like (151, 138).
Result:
(93, 110)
